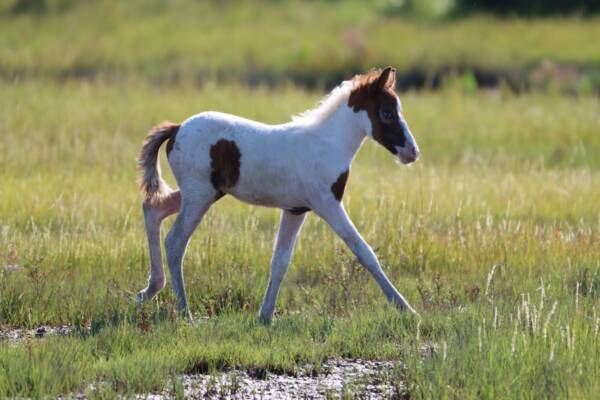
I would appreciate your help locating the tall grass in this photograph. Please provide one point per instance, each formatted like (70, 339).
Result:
(180, 40)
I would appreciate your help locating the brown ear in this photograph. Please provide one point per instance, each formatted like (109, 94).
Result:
(386, 79)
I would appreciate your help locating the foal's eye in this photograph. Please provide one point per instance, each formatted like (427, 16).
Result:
(387, 115)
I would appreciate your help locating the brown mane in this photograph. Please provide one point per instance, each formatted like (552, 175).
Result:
(368, 78)
(361, 88)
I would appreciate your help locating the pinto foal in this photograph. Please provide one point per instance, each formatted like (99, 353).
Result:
(298, 167)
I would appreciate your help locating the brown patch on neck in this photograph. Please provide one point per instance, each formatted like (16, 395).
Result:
(338, 187)
(225, 164)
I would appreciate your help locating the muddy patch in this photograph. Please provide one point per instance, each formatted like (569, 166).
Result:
(339, 378)
(13, 336)
(336, 378)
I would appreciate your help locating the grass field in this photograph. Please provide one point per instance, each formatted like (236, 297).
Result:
(493, 235)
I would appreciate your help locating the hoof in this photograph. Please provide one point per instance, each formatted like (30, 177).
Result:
(189, 317)
(405, 307)
(185, 314)
(140, 298)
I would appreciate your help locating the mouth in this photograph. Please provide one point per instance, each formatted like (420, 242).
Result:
(406, 160)
(408, 156)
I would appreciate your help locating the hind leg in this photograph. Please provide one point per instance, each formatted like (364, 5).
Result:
(193, 208)
(153, 217)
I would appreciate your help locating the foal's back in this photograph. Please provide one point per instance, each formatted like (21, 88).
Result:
(270, 165)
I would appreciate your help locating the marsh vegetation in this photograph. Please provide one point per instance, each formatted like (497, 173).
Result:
(494, 235)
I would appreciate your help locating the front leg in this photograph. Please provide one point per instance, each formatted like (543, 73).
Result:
(286, 237)
(335, 215)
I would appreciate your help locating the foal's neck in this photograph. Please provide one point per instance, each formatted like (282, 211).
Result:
(342, 129)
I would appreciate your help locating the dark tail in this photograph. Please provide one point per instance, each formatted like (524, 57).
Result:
(151, 183)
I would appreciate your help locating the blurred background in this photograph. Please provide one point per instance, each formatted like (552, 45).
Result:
(537, 44)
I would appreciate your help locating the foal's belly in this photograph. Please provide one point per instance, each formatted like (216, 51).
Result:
(269, 185)
(269, 193)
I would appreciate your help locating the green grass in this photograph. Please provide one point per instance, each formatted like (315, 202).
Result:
(493, 236)
(274, 41)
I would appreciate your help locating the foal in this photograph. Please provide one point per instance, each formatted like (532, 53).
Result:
(298, 167)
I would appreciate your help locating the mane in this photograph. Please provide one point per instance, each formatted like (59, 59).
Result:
(327, 106)
(332, 101)
(366, 79)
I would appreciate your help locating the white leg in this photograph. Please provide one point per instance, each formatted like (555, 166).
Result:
(193, 208)
(286, 237)
(335, 215)
(153, 217)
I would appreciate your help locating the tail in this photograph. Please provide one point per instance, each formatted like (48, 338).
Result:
(151, 183)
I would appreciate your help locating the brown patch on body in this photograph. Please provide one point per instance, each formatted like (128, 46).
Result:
(225, 165)
(374, 93)
(338, 187)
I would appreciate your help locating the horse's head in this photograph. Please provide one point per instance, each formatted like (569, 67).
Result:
(374, 93)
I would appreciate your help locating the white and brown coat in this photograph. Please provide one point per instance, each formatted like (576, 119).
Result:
(298, 167)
